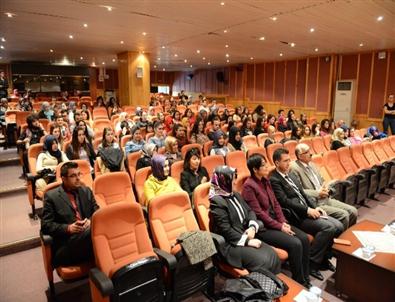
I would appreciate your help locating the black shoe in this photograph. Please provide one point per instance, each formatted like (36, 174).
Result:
(307, 284)
(327, 265)
(316, 274)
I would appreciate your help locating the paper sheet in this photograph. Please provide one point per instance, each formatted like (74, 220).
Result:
(358, 253)
(383, 242)
(301, 297)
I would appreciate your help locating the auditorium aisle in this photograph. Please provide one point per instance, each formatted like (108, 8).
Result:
(22, 276)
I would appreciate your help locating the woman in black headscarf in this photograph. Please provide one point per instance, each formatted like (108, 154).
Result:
(237, 223)
(235, 138)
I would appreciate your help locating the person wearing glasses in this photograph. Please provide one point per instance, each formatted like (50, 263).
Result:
(315, 187)
(67, 218)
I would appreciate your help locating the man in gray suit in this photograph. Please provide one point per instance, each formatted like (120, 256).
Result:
(314, 186)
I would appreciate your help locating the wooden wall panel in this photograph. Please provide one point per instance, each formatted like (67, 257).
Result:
(239, 83)
(209, 82)
(290, 83)
(250, 82)
(259, 82)
(324, 87)
(365, 65)
(391, 74)
(301, 83)
(232, 81)
(279, 82)
(312, 82)
(378, 87)
(349, 67)
(269, 82)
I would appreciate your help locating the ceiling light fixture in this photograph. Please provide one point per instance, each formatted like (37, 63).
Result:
(3, 39)
(163, 47)
(51, 50)
(292, 44)
(81, 58)
(273, 18)
(227, 55)
(226, 45)
(251, 58)
(113, 60)
(10, 15)
(144, 33)
(198, 51)
(360, 44)
(185, 61)
(85, 25)
(103, 63)
(208, 63)
(121, 42)
(93, 64)
(191, 66)
(154, 66)
(176, 55)
(380, 18)
(158, 59)
(227, 61)
(316, 49)
(2, 46)
(164, 69)
(109, 8)
(312, 30)
(222, 3)
(204, 58)
(71, 37)
(225, 31)
(281, 54)
(261, 38)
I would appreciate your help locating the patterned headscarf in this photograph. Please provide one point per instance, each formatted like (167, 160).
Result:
(158, 164)
(221, 181)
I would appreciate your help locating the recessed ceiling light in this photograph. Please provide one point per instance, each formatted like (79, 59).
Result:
(292, 44)
(93, 64)
(191, 66)
(81, 58)
(312, 30)
(121, 42)
(226, 45)
(185, 61)
(222, 3)
(163, 47)
(315, 49)
(273, 18)
(281, 54)
(113, 60)
(85, 25)
(10, 15)
(144, 33)
(198, 51)
(251, 58)
(71, 37)
(158, 59)
(380, 18)
(176, 55)
(227, 61)
(204, 58)
(2, 39)
(154, 66)
(2, 46)
(227, 55)
(262, 38)
(360, 44)
(208, 63)
(225, 31)
(109, 8)
(164, 69)
(51, 50)
(103, 63)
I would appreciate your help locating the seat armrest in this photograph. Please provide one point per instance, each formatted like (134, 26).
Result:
(345, 183)
(101, 282)
(31, 177)
(169, 259)
(47, 239)
(368, 171)
(360, 176)
(218, 239)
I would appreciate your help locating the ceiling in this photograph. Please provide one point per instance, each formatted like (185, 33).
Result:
(176, 30)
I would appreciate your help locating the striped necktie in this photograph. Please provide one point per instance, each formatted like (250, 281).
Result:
(296, 189)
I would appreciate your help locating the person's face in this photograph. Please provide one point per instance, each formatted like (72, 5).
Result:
(237, 137)
(204, 103)
(352, 133)
(83, 107)
(84, 116)
(82, 124)
(284, 163)
(110, 136)
(299, 131)
(81, 136)
(307, 131)
(177, 115)
(166, 168)
(391, 98)
(2, 74)
(137, 136)
(221, 140)
(189, 114)
(249, 124)
(159, 130)
(292, 116)
(272, 120)
(216, 125)
(180, 132)
(56, 132)
(263, 170)
(305, 156)
(64, 115)
(59, 120)
(342, 135)
(174, 147)
(194, 162)
(54, 146)
(201, 125)
(73, 179)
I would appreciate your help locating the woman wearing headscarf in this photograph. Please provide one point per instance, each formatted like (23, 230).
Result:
(219, 146)
(48, 160)
(235, 140)
(159, 182)
(374, 133)
(148, 151)
(237, 223)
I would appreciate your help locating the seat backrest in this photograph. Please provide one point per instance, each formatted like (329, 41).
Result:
(32, 154)
(111, 188)
(318, 160)
(308, 142)
(239, 183)
(100, 124)
(358, 157)
(344, 155)
(237, 159)
(96, 143)
(270, 150)
(261, 139)
(392, 141)
(132, 163)
(99, 112)
(119, 237)
(288, 133)
(290, 146)
(327, 141)
(176, 169)
(139, 179)
(207, 147)
(250, 141)
(85, 168)
(335, 169)
(367, 149)
(188, 147)
(278, 136)
(170, 215)
(257, 150)
(378, 148)
(21, 117)
(202, 205)
(211, 162)
(387, 147)
(125, 139)
(66, 144)
(318, 145)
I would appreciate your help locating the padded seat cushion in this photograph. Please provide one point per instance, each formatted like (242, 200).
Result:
(74, 272)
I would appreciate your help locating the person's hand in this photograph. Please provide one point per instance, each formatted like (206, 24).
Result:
(313, 213)
(75, 227)
(87, 223)
(256, 243)
(323, 193)
(250, 233)
(322, 212)
(286, 228)
(26, 140)
(204, 179)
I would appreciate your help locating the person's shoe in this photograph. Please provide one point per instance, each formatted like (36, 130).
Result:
(327, 265)
(307, 284)
(316, 274)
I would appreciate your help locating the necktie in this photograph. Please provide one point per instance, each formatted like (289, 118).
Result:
(296, 189)
(313, 178)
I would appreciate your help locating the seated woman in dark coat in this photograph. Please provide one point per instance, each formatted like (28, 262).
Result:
(259, 195)
(236, 222)
(194, 174)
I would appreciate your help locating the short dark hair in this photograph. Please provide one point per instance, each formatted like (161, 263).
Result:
(157, 124)
(191, 152)
(277, 154)
(254, 161)
(64, 170)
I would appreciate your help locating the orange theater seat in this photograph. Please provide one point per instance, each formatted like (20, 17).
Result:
(128, 269)
(308, 142)
(85, 168)
(100, 124)
(176, 170)
(139, 180)
(290, 146)
(278, 136)
(132, 159)
(386, 160)
(368, 152)
(250, 141)
(258, 150)
(261, 139)
(211, 162)
(32, 154)
(112, 188)
(99, 112)
(207, 147)
(327, 141)
(318, 145)
(270, 151)
(237, 160)
(125, 139)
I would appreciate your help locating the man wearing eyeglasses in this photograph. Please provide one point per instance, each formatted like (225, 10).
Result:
(67, 218)
(314, 186)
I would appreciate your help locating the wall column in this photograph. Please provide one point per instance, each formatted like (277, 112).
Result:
(134, 90)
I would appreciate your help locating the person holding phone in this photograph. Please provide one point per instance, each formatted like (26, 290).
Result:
(67, 218)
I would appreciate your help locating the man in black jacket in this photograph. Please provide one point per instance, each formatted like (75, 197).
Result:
(67, 218)
(302, 212)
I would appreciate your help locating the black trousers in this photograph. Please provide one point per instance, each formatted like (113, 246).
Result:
(323, 230)
(389, 123)
(73, 250)
(298, 248)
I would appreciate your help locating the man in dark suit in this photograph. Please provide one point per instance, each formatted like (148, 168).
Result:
(67, 217)
(302, 212)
